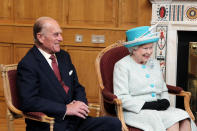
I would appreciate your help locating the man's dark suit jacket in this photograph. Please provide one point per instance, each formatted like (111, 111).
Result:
(40, 90)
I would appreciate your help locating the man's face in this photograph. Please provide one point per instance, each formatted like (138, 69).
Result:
(50, 37)
(143, 53)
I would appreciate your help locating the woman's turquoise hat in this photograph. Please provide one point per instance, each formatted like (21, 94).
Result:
(141, 35)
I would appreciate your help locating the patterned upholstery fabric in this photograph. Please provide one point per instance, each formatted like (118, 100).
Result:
(36, 115)
(172, 89)
(107, 67)
(13, 90)
(14, 95)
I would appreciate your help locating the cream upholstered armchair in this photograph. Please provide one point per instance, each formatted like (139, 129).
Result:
(110, 104)
(12, 100)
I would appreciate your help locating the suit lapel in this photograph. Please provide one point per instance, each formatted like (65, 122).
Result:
(48, 72)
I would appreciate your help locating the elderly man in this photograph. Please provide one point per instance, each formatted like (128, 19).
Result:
(47, 82)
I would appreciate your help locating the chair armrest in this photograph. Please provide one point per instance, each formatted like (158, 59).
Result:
(112, 99)
(108, 96)
(187, 96)
(118, 105)
(178, 91)
(95, 107)
(174, 89)
(39, 116)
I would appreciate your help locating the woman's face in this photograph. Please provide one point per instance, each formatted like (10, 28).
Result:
(143, 53)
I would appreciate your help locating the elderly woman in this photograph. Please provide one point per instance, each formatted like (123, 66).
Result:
(139, 83)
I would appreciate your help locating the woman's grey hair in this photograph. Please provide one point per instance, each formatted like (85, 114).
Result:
(132, 48)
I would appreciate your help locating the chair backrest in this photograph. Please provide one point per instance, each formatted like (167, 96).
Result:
(105, 66)
(107, 62)
(10, 90)
(9, 75)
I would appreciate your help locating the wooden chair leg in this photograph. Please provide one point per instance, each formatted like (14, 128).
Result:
(10, 120)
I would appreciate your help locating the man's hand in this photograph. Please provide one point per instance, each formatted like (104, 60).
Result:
(77, 108)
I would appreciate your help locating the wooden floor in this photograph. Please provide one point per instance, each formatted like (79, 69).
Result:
(19, 125)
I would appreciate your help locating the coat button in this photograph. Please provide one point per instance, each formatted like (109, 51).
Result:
(143, 66)
(153, 94)
(152, 85)
(147, 76)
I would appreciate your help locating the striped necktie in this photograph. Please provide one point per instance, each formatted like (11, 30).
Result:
(57, 72)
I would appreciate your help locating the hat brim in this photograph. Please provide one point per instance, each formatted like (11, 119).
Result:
(150, 40)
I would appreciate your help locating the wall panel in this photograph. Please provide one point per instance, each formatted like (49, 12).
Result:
(6, 53)
(144, 12)
(128, 13)
(134, 13)
(84, 59)
(52, 8)
(3, 107)
(92, 12)
(20, 50)
(23, 34)
(24, 11)
(6, 11)
(6, 33)
(110, 35)
(5, 58)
